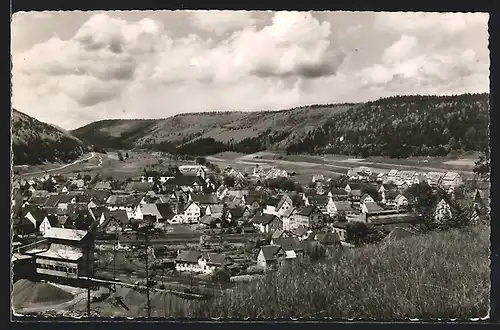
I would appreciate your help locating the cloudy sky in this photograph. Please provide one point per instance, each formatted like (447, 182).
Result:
(72, 68)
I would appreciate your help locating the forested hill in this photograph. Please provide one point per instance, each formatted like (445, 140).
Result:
(34, 142)
(404, 126)
(396, 126)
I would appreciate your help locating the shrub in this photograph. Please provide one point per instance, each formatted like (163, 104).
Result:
(436, 275)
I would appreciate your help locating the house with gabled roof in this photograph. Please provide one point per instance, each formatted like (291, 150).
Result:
(366, 198)
(370, 207)
(352, 186)
(166, 211)
(234, 214)
(442, 210)
(401, 201)
(334, 207)
(203, 200)
(309, 217)
(147, 210)
(192, 213)
(451, 179)
(216, 210)
(198, 262)
(320, 201)
(267, 223)
(434, 178)
(138, 187)
(128, 203)
(270, 255)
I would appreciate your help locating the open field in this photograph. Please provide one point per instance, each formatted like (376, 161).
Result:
(335, 165)
(394, 280)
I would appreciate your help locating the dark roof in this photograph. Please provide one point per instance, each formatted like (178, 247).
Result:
(165, 210)
(99, 196)
(50, 210)
(343, 206)
(340, 224)
(77, 207)
(139, 186)
(124, 200)
(308, 210)
(120, 215)
(288, 243)
(355, 186)
(208, 220)
(338, 192)
(65, 198)
(355, 192)
(84, 198)
(249, 199)
(38, 215)
(217, 259)
(38, 200)
(205, 198)
(264, 219)
(319, 200)
(185, 180)
(393, 218)
(373, 207)
(272, 202)
(237, 212)
(53, 220)
(272, 251)
(391, 194)
(52, 201)
(299, 231)
(327, 238)
(188, 256)
(98, 211)
(107, 221)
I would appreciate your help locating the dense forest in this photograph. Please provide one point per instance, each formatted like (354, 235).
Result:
(34, 142)
(402, 126)
(397, 127)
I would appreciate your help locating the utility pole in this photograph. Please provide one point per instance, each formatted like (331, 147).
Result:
(114, 261)
(88, 276)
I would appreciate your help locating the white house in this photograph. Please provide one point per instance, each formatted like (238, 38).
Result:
(451, 179)
(192, 213)
(197, 262)
(401, 201)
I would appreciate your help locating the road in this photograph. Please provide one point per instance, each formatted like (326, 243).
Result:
(92, 155)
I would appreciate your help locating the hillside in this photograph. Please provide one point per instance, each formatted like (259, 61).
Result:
(405, 126)
(397, 127)
(438, 275)
(226, 127)
(34, 142)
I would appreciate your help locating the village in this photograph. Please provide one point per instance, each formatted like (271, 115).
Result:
(205, 226)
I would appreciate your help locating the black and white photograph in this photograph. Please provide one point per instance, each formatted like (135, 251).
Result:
(250, 165)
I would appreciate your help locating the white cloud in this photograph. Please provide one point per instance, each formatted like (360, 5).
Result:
(220, 21)
(436, 23)
(400, 49)
(112, 67)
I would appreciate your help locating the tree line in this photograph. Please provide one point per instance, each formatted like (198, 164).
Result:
(404, 126)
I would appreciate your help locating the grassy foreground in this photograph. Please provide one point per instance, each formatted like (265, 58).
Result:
(438, 275)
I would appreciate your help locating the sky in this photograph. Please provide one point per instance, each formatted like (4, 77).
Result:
(72, 68)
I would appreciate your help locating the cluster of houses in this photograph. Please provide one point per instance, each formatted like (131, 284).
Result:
(291, 218)
(403, 179)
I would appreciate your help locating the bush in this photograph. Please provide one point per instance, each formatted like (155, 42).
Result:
(437, 275)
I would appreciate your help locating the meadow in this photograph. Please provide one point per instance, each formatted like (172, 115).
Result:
(441, 275)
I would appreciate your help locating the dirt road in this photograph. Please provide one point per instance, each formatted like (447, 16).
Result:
(92, 155)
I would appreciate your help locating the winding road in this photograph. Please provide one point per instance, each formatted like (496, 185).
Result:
(92, 155)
